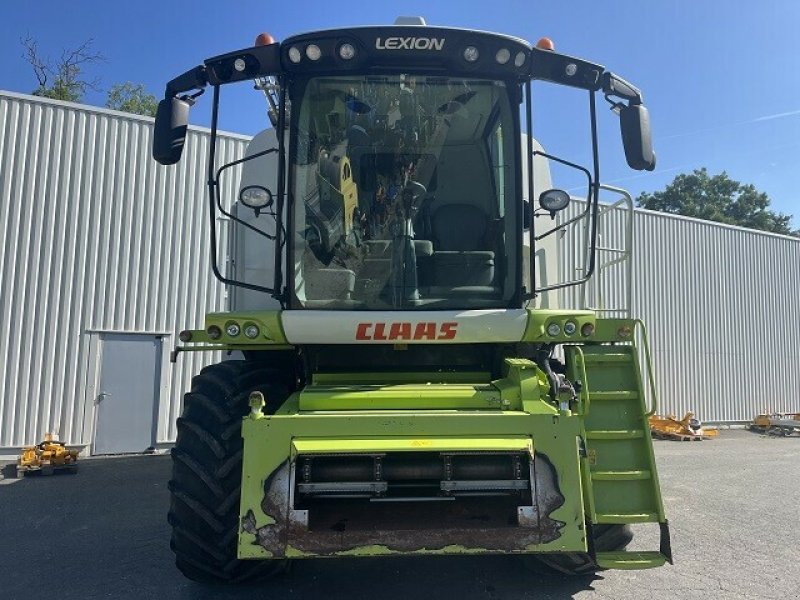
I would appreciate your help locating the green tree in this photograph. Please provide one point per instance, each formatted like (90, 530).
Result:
(718, 198)
(65, 78)
(132, 98)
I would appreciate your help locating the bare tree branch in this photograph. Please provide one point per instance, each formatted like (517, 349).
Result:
(41, 68)
(64, 80)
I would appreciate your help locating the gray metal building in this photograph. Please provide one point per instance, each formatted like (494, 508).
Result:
(104, 257)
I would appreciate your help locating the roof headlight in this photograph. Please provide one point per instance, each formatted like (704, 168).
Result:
(519, 59)
(347, 51)
(553, 329)
(232, 328)
(503, 56)
(313, 52)
(294, 54)
(251, 330)
(471, 54)
(239, 65)
(570, 327)
(587, 329)
(214, 332)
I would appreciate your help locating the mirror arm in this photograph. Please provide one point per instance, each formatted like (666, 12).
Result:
(193, 79)
(614, 85)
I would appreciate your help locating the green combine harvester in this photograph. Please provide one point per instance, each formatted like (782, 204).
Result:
(403, 388)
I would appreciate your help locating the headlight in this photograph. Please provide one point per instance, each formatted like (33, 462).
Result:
(214, 332)
(587, 329)
(347, 51)
(313, 52)
(503, 56)
(553, 329)
(570, 327)
(294, 54)
(251, 330)
(232, 329)
(519, 59)
(471, 54)
(255, 196)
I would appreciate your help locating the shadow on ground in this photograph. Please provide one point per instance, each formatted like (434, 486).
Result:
(107, 527)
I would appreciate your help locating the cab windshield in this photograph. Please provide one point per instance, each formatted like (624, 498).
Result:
(404, 193)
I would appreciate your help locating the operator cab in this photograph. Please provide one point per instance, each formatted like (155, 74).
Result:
(403, 192)
(399, 166)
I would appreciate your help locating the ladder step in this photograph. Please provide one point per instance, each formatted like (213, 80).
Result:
(621, 519)
(614, 395)
(630, 560)
(606, 358)
(619, 475)
(618, 434)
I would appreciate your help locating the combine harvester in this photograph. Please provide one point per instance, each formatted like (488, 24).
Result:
(407, 386)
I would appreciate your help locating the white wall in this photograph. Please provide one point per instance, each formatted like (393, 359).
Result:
(94, 236)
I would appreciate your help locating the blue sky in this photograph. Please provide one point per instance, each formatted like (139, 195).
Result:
(721, 78)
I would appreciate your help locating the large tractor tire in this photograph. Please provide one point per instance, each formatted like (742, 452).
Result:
(607, 538)
(207, 471)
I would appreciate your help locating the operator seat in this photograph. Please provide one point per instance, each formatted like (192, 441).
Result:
(463, 262)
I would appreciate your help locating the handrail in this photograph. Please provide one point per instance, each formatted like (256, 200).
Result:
(650, 376)
(625, 203)
(585, 390)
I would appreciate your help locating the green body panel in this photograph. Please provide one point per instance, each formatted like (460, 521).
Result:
(411, 444)
(272, 336)
(269, 445)
(598, 444)
(402, 396)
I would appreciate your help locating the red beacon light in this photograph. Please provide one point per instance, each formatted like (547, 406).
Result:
(264, 39)
(546, 44)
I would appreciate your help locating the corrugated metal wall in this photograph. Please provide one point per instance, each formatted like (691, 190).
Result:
(94, 236)
(722, 308)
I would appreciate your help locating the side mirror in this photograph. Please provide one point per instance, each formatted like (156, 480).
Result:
(172, 120)
(634, 123)
(553, 201)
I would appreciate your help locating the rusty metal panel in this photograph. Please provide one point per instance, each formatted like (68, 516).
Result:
(96, 237)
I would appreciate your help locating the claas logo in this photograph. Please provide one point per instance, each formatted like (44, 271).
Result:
(406, 331)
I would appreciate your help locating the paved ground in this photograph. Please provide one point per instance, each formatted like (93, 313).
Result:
(733, 503)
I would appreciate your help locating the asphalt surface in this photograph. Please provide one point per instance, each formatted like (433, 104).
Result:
(733, 503)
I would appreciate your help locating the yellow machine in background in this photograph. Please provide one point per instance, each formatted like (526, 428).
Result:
(47, 457)
(782, 424)
(688, 428)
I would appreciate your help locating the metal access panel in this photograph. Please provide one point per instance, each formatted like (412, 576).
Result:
(126, 400)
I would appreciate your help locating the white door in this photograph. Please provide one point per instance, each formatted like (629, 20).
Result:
(126, 400)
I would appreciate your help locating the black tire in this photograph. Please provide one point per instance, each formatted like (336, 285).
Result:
(607, 538)
(207, 471)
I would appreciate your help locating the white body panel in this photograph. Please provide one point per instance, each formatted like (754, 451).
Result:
(404, 327)
(253, 254)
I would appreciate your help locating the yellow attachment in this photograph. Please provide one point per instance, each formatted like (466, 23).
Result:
(670, 427)
(49, 453)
